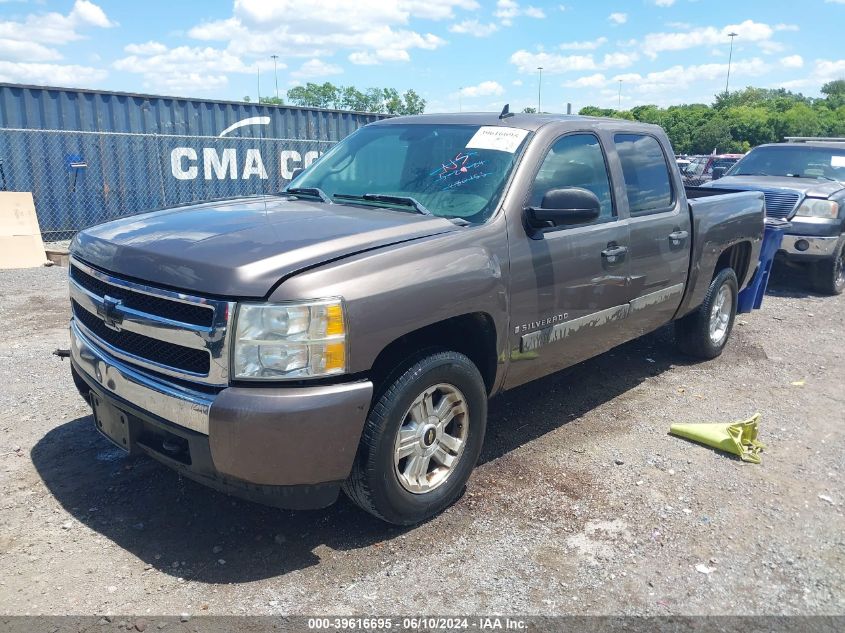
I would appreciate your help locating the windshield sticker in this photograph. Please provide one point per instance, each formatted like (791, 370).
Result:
(459, 170)
(503, 139)
(837, 161)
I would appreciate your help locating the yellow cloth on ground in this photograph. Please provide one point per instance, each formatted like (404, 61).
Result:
(739, 438)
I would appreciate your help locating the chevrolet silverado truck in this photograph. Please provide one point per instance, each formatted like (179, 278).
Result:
(804, 182)
(348, 332)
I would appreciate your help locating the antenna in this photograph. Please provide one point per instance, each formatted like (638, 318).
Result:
(506, 112)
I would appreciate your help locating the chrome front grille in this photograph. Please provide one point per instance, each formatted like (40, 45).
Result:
(168, 332)
(780, 203)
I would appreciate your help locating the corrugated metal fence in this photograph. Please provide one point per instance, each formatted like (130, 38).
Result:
(88, 156)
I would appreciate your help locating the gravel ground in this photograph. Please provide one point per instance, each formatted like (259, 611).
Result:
(582, 504)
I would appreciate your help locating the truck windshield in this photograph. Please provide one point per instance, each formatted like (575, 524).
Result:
(827, 163)
(452, 171)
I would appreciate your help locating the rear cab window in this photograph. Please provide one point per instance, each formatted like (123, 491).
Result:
(648, 181)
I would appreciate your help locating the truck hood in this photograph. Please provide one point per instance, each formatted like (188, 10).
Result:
(811, 187)
(243, 247)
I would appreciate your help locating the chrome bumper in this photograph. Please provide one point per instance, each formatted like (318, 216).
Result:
(165, 400)
(818, 246)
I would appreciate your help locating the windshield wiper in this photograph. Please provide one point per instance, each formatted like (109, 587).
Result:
(313, 192)
(381, 197)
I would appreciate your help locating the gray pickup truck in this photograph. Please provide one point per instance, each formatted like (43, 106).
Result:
(804, 182)
(348, 332)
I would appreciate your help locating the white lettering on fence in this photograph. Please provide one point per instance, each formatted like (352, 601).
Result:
(176, 157)
(227, 165)
(223, 164)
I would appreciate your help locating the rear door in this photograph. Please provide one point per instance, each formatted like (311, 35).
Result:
(569, 285)
(660, 231)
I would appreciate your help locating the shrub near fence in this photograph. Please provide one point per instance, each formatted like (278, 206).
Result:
(79, 179)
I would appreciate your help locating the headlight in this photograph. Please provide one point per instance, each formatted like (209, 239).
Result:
(812, 208)
(283, 341)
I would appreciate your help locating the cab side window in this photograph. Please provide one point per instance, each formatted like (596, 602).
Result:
(576, 160)
(647, 179)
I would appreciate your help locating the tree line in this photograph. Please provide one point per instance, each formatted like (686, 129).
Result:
(742, 119)
(328, 95)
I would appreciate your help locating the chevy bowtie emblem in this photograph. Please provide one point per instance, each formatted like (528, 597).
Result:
(109, 311)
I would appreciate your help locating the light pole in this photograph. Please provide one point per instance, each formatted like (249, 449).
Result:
(731, 35)
(460, 102)
(275, 74)
(539, 89)
(619, 107)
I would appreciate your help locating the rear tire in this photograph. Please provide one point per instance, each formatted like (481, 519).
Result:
(705, 332)
(421, 440)
(829, 274)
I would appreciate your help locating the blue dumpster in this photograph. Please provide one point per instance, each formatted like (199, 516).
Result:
(752, 297)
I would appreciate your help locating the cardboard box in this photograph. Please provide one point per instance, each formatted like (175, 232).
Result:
(20, 236)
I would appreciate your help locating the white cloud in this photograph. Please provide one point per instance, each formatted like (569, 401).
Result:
(618, 18)
(588, 45)
(507, 10)
(553, 63)
(619, 60)
(590, 81)
(184, 68)
(517, 82)
(664, 3)
(485, 88)
(824, 70)
(316, 68)
(17, 50)
(749, 31)
(474, 28)
(792, 61)
(366, 58)
(28, 42)
(147, 48)
(364, 29)
(680, 77)
(789, 27)
(70, 75)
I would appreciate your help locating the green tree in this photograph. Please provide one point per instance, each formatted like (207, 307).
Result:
(272, 100)
(414, 103)
(834, 92)
(529, 110)
(314, 95)
(713, 136)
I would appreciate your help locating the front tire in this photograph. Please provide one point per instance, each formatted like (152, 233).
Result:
(421, 440)
(705, 332)
(829, 274)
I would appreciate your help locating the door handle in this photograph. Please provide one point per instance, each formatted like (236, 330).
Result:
(611, 253)
(677, 236)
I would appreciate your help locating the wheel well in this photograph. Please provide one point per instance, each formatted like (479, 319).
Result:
(473, 335)
(737, 257)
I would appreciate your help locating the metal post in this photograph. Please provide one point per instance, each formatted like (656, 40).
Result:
(539, 89)
(258, 82)
(276, 74)
(730, 58)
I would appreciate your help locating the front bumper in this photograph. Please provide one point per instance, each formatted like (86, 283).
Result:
(289, 447)
(808, 247)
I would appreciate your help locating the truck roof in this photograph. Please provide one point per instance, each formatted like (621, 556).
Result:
(814, 144)
(532, 122)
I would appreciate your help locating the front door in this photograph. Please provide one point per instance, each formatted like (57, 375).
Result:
(569, 285)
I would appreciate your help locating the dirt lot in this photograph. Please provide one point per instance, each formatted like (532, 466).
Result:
(582, 503)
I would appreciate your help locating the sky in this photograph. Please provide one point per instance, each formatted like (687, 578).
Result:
(458, 54)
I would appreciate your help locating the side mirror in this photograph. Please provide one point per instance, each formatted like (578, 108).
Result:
(563, 207)
(295, 173)
(718, 172)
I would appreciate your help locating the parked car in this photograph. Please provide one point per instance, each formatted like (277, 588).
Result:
(803, 181)
(702, 168)
(348, 332)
